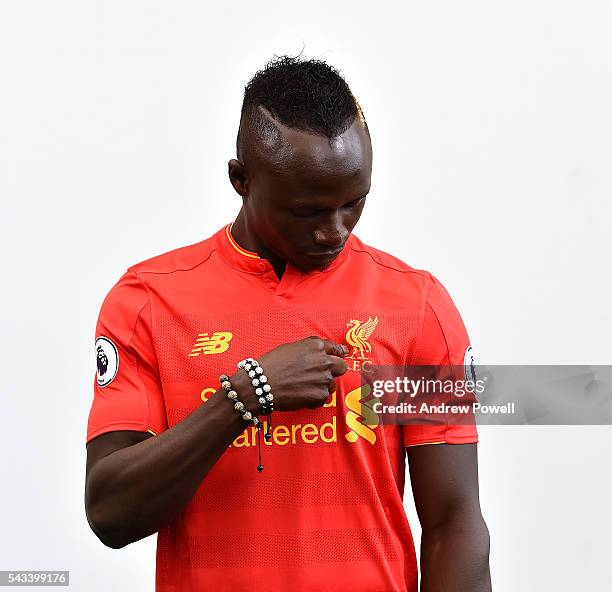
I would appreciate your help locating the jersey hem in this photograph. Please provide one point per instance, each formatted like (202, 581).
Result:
(116, 426)
(462, 440)
(447, 440)
(425, 443)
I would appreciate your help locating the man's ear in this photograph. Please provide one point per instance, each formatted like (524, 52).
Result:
(238, 177)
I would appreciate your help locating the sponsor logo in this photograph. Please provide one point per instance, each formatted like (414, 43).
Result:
(358, 337)
(207, 344)
(360, 417)
(283, 434)
(292, 434)
(107, 361)
(361, 421)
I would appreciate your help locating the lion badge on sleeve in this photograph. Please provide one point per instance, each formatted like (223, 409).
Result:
(107, 361)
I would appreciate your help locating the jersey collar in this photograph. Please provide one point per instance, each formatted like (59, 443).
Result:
(239, 258)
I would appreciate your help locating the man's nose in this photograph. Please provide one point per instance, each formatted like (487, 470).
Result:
(333, 235)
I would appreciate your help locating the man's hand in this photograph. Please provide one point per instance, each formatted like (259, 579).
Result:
(302, 373)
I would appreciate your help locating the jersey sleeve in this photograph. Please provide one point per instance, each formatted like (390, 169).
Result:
(127, 393)
(444, 342)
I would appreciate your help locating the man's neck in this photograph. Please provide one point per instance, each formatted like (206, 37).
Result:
(246, 237)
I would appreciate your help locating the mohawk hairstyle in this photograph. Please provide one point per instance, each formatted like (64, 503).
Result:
(304, 94)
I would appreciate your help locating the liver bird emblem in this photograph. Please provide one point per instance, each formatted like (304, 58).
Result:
(358, 336)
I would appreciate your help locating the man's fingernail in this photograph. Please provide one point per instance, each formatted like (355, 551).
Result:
(345, 349)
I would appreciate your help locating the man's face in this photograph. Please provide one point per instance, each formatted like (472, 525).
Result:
(304, 194)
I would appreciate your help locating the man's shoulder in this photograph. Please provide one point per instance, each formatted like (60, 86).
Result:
(183, 258)
(384, 262)
(401, 279)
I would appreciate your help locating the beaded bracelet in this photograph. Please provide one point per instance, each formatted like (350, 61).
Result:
(238, 405)
(263, 390)
(232, 395)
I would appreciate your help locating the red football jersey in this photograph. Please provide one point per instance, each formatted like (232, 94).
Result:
(327, 511)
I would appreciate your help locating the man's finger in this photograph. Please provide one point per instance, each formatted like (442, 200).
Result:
(339, 366)
(335, 349)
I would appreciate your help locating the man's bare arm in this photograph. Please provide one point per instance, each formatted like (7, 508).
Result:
(455, 538)
(136, 484)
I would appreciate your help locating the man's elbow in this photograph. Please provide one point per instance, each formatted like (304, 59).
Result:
(108, 535)
(475, 535)
(469, 529)
(479, 556)
(476, 531)
(481, 539)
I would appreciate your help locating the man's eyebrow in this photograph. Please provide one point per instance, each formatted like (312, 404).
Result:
(300, 203)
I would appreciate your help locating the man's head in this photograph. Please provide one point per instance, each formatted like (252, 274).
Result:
(304, 161)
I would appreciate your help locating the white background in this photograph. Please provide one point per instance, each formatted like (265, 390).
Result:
(492, 133)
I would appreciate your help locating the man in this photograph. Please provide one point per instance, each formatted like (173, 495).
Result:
(288, 285)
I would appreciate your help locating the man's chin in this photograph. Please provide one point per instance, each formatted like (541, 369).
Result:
(308, 264)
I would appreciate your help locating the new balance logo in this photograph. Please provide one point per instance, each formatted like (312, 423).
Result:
(216, 343)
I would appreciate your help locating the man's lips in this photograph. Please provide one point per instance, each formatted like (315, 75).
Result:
(324, 254)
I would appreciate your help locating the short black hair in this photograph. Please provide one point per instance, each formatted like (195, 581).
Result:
(304, 94)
